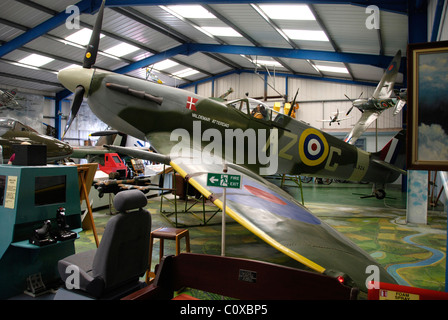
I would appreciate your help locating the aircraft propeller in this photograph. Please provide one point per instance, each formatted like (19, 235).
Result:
(350, 110)
(293, 103)
(89, 61)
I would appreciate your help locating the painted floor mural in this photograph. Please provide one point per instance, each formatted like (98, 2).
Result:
(415, 255)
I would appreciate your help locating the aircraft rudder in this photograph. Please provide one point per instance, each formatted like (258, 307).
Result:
(395, 150)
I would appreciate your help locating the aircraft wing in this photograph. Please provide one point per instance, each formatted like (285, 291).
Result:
(386, 85)
(277, 218)
(400, 104)
(84, 152)
(361, 126)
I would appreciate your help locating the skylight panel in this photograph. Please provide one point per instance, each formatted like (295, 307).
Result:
(185, 73)
(191, 11)
(35, 60)
(332, 69)
(310, 35)
(121, 49)
(165, 64)
(288, 12)
(81, 37)
(222, 31)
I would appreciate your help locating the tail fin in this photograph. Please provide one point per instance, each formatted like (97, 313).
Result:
(393, 155)
(392, 150)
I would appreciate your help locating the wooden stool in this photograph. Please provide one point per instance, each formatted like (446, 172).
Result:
(169, 234)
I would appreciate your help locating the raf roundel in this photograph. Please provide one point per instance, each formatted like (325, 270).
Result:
(313, 147)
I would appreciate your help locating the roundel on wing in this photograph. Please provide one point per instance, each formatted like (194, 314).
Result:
(258, 196)
(392, 67)
(313, 147)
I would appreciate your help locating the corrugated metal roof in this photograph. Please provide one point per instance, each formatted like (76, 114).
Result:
(155, 31)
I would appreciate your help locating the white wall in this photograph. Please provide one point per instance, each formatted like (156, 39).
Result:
(317, 101)
(84, 124)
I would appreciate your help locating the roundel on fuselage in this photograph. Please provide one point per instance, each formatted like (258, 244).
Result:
(313, 147)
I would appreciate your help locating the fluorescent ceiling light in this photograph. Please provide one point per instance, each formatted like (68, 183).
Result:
(36, 60)
(81, 37)
(222, 31)
(71, 66)
(185, 73)
(121, 49)
(191, 11)
(24, 65)
(288, 12)
(165, 64)
(310, 35)
(332, 69)
(269, 63)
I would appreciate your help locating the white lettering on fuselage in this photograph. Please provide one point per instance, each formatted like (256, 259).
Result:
(244, 147)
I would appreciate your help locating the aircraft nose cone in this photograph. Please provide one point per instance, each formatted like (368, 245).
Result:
(359, 103)
(74, 77)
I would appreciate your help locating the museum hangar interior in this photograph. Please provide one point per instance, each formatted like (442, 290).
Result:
(273, 145)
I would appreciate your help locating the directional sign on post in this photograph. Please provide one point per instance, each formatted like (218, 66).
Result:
(224, 180)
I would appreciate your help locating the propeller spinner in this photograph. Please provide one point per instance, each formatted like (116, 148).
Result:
(78, 80)
(350, 110)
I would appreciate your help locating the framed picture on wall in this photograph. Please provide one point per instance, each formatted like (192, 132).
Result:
(427, 140)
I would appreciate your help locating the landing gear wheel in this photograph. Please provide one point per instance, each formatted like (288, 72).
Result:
(380, 194)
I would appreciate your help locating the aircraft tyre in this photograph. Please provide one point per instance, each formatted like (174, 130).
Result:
(380, 194)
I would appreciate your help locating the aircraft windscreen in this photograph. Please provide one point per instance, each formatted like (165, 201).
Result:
(6, 125)
(253, 107)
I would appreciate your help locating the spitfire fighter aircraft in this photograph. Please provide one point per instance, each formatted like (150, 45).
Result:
(13, 132)
(198, 135)
(381, 100)
(334, 119)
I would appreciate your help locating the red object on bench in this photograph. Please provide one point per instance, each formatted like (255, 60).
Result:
(241, 279)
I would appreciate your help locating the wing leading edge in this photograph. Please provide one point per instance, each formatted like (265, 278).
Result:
(277, 218)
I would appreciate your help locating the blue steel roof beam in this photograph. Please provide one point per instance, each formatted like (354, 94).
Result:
(356, 58)
(191, 48)
(299, 76)
(397, 6)
(46, 26)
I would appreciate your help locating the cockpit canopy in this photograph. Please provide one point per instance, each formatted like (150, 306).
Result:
(9, 124)
(252, 107)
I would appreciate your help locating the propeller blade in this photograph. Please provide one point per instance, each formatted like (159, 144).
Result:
(104, 133)
(293, 103)
(349, 110)
(347, 97)
(92, 48)
(77, 100)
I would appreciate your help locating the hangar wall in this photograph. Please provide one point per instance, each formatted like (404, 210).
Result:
(317, 101)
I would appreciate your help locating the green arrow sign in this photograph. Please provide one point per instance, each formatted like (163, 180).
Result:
(224, 180)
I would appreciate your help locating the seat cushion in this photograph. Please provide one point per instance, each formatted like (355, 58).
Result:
(69, 266)
(123, 252)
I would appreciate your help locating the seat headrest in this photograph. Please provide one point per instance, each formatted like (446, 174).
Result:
(129, 199)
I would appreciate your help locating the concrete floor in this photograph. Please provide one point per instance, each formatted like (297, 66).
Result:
(413, 254)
